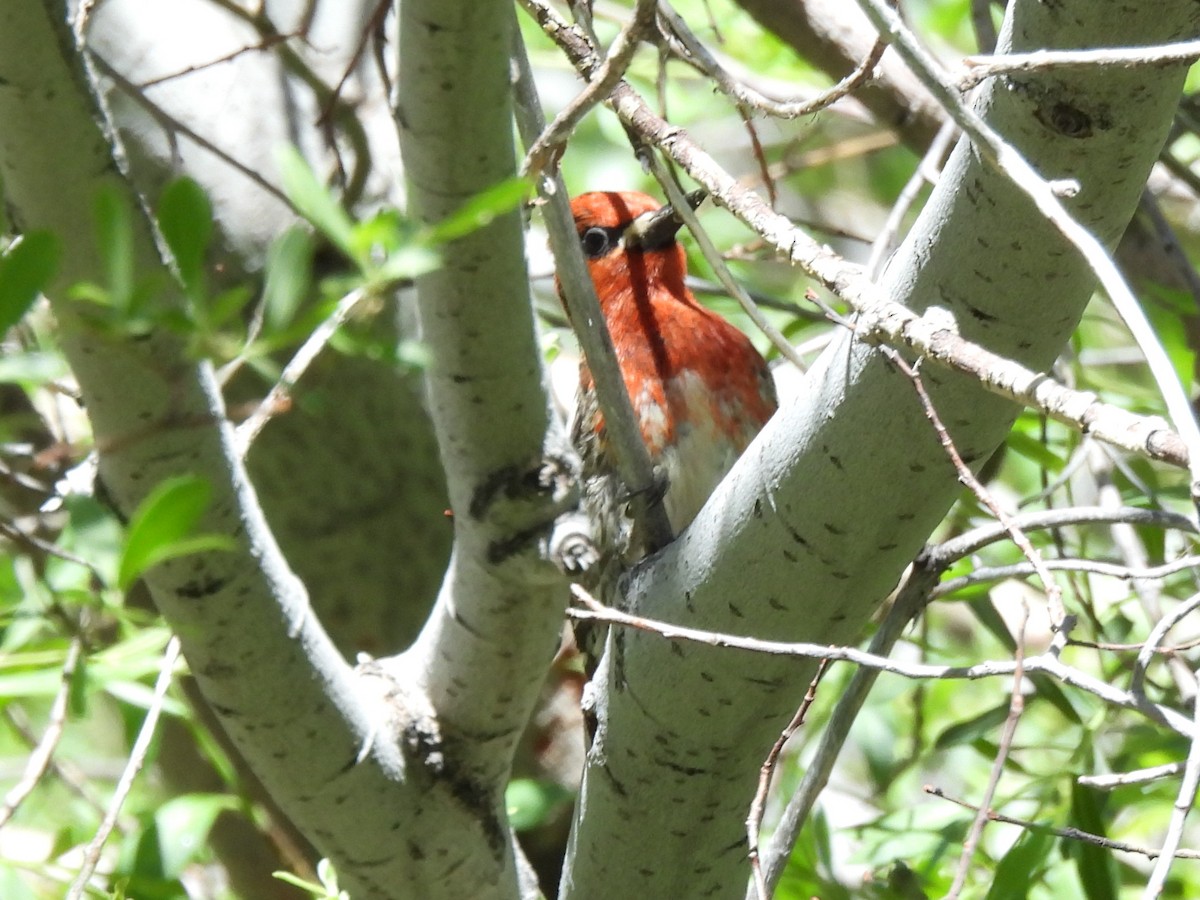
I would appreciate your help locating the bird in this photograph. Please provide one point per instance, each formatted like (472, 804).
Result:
(700, 390)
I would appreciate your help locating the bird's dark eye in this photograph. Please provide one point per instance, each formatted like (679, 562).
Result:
(596, 241)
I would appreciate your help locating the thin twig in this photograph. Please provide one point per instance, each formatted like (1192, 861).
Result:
(265, 43)
(1015, 707)
(277, 398)
(910, 600)
(1047, 663)
(985, 574)
(1058, 615)
(374, 23)
(713, 256)
(759, 804)
(689, 48)
(549, 143)
(1073, 834)
(969, 542)
(173, 125)
(137, 756)
(927, 172)
(1138, 776)
(1183, 804)
(982, 67)
(71, 776)
(1137, 680)
(40, 759)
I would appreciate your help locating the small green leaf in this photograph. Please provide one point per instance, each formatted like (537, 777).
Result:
(1034, 450)
(25, 270)
(114, 237)
(289, 273)
(77, 690)
(185, 219)
(409, 262)
(182, 826)
(162, 527)
(314, 200)
(481, 209)
(1095, 865)
(970, 729)
(1021, 866)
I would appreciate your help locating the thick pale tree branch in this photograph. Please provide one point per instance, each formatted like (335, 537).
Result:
(483, 654)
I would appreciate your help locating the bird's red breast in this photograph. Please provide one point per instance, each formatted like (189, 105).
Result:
(700, 390)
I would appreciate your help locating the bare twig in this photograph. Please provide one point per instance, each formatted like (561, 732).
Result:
(549, 143)
(1015, 708)
(910, 600)
(980, 68)
(277, 398)
(39, 760)
(1058, 616)
(720, 269)
(1073, 834)
(1046, 663)
(175, 126)
(1138, 776)
(976, 539)
(1137, 681)
(984, 574)
(926, 173)
(689, 48)
(265, 43)
(759, 804)
(137, 756)
(1183, 804)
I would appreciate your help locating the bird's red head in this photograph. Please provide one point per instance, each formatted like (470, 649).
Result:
(629, 241)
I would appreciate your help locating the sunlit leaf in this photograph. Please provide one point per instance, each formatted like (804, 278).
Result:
(289, 274)
(114, 238)
(314, 200)
(185, 219)
(182, 826)
(481, 210)
(163, 527)
(25, 270)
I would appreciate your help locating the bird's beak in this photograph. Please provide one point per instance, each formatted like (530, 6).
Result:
(657, 229)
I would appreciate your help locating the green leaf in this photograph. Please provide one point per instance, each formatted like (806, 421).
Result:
(185, 219)
(162, 527)
(1034, 450)
(289, 274)
(314, 200)
(409, 262)
(1095, 865)
(114, 237)
(973, 728)
(77, 690)
(1021, 866)
(25, 270)
(481, 210)
(182, 825)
